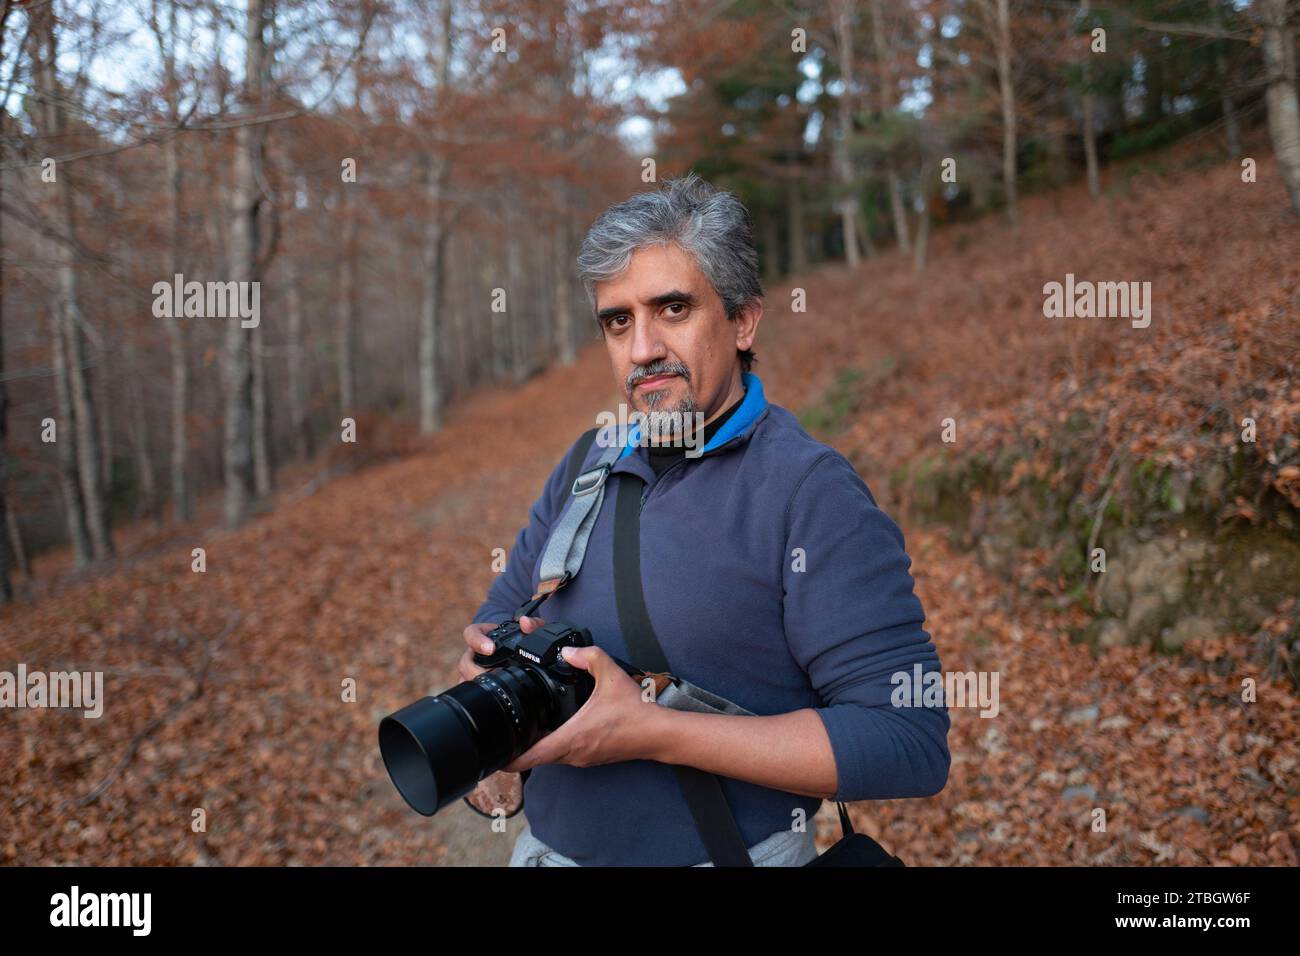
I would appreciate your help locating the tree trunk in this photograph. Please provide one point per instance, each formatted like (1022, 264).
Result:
(347, 308)
(516, 313)
(17, 553)
(771, 247)
(1090, 119)
(897, 207)
(263, 463)
(433, 253)
(146, 490)
(922, 235)
(864, 237)
(62, 213)
(432, 256)
(1090, 143)
(842, 156)
(794, 226)
(65, 439)
(563, 267)
(1278, 44)
(299, 434)
(182, 501)
(1232, 126)
(182, 498)
(7, 552)
(1008, 100)
(237, 438)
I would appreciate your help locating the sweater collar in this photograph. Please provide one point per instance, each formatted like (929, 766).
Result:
(751, 409)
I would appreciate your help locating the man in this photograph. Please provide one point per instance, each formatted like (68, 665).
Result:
(771, 578)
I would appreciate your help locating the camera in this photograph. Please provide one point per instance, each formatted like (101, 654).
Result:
(437, 749)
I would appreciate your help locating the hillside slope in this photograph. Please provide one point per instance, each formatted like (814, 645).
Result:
(224, 688)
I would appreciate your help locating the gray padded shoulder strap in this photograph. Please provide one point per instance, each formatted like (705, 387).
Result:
(567, 544)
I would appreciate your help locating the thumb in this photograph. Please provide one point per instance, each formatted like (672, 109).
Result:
(584, 658)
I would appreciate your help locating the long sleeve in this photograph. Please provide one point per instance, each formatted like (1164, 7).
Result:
(853, 621)
(514, 585)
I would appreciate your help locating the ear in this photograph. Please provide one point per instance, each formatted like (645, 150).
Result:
(747, 319)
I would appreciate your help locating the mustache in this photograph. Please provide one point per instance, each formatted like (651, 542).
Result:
(662, 368)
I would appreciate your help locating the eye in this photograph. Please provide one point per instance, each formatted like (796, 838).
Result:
(609, 323)
(678, 305)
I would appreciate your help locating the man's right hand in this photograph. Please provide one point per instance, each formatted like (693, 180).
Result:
(499, 790)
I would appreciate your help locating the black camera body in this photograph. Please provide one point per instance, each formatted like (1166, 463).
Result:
(437, 749)
(541, 649)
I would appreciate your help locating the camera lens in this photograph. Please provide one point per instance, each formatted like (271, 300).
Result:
(438, 748)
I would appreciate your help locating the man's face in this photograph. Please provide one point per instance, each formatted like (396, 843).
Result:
(670, 342)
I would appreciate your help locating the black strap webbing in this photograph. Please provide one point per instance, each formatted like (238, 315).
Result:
(703, 791)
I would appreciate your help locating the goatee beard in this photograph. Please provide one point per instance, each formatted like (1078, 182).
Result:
(663, 424)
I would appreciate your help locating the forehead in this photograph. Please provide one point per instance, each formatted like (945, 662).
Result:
(653, 270)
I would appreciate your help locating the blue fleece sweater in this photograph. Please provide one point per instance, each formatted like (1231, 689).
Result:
(771, 578)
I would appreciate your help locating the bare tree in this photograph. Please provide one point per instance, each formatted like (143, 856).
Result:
(997, 14)
(299, 433)
(794, 226)
(348, 294)
(165, 38)
(436, 171)
(1278, 45)
(1089, 116)
(896, 206)
(842, 22)
(73, 508)
(70, 322)
(246, 204)
(6, 558)
(263, 460)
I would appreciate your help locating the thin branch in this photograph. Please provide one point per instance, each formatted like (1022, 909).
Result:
(200, 678)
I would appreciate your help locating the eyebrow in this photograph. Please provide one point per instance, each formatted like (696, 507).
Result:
(672, 295)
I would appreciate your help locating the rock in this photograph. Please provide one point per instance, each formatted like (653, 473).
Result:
(1087, 790)
(1082, 715)
(1213, 480)
(1198, 814)
(1144, 613)
(1188, 628)
(1112, 633)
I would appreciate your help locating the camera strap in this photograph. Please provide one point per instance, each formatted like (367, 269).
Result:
(560, 563)
(567, 544)
(703, 791)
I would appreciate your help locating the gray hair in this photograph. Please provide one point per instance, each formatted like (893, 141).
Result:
(710, 224)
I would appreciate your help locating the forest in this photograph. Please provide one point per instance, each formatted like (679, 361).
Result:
(281, 281)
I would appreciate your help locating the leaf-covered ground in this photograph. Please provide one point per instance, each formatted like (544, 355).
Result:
(224, 689)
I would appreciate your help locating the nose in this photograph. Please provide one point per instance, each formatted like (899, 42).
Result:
(647, 346)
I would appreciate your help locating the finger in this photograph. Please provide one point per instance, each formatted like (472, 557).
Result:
(476, 637)
(466, 667)
(530, 624)
(547, 750)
